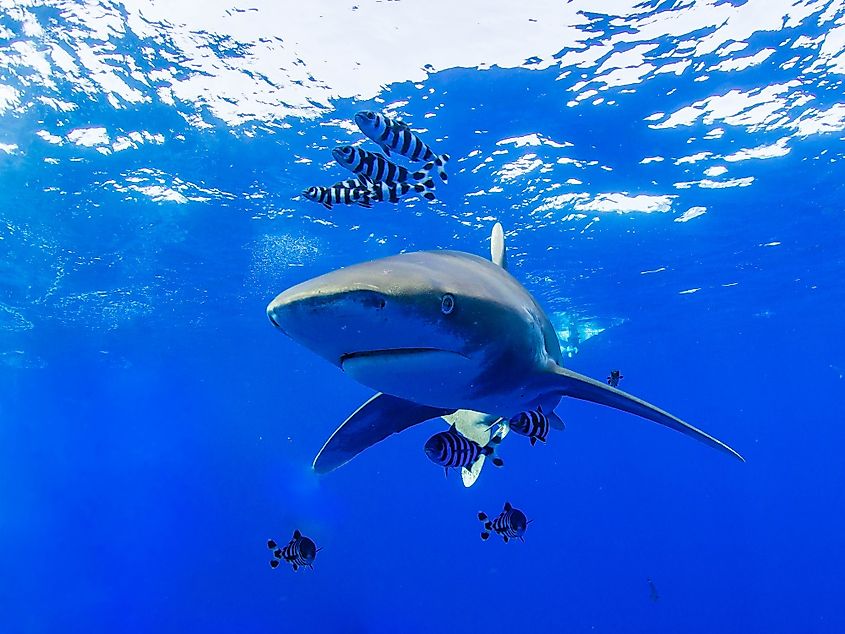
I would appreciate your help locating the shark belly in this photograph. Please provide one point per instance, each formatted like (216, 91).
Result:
(437, 378)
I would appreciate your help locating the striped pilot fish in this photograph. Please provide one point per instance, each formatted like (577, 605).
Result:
(451, 449)
(376, 167)
(510, 523)
(392, 192)
(348, 192)
(394, 135)
(535, 424)
(300, 551)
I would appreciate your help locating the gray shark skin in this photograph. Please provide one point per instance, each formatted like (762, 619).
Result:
(435, 332)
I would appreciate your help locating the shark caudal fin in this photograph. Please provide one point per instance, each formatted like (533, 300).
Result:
(568, 383)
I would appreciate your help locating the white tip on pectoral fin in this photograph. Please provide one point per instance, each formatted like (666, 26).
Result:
(497, 246)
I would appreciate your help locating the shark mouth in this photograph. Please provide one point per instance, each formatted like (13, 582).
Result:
(395, 353)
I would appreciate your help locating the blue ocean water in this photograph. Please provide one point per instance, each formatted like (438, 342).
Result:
(670, 179)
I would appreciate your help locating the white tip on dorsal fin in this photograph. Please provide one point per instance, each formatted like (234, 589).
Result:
(497, 246)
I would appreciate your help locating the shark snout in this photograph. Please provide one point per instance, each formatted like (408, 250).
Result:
(284, 307)
(272, 318)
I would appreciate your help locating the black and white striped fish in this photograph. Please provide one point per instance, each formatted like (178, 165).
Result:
(348, 192)
(510, 523)
(451, 449)
(392, 192)
(300, 551)
(534, 424)
(394, 135)
(376, 167)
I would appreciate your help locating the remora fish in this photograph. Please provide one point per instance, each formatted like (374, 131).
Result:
(394, 135)
(425, 330)
(376, 167)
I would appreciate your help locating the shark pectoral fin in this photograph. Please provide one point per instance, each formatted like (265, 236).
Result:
(568, 383)
(497, 246)
(371, 423)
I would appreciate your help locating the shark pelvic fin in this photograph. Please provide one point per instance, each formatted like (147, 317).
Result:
(572, 384)
(371, 423)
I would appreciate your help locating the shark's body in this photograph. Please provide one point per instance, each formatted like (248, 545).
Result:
(436, 332)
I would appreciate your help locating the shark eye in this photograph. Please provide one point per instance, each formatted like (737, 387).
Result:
(447, 304)
(371, 115)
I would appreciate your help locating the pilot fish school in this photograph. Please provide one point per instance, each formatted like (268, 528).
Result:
(422, 330)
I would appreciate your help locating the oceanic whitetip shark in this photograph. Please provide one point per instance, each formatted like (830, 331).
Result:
(435, 332)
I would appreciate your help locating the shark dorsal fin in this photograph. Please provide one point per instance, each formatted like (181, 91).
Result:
(497, 246)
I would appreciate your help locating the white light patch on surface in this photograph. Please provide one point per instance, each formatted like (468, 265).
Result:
(716, 170)
(741, 63)
(58, 104)
(678, 68)
(762, 152)
(262, 60)
(692, 212)
(710, 184)
(88, 137)
(689, 291)
(8, 148)
(651, 159)
(9, 98)
(622, 203)
(694, 158)
(732, 48)
(519, 167)
(821, 121)
(532, 140)
(832, 51)
(750, 108)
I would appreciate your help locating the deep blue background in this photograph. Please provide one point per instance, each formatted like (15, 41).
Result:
(147, 454)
